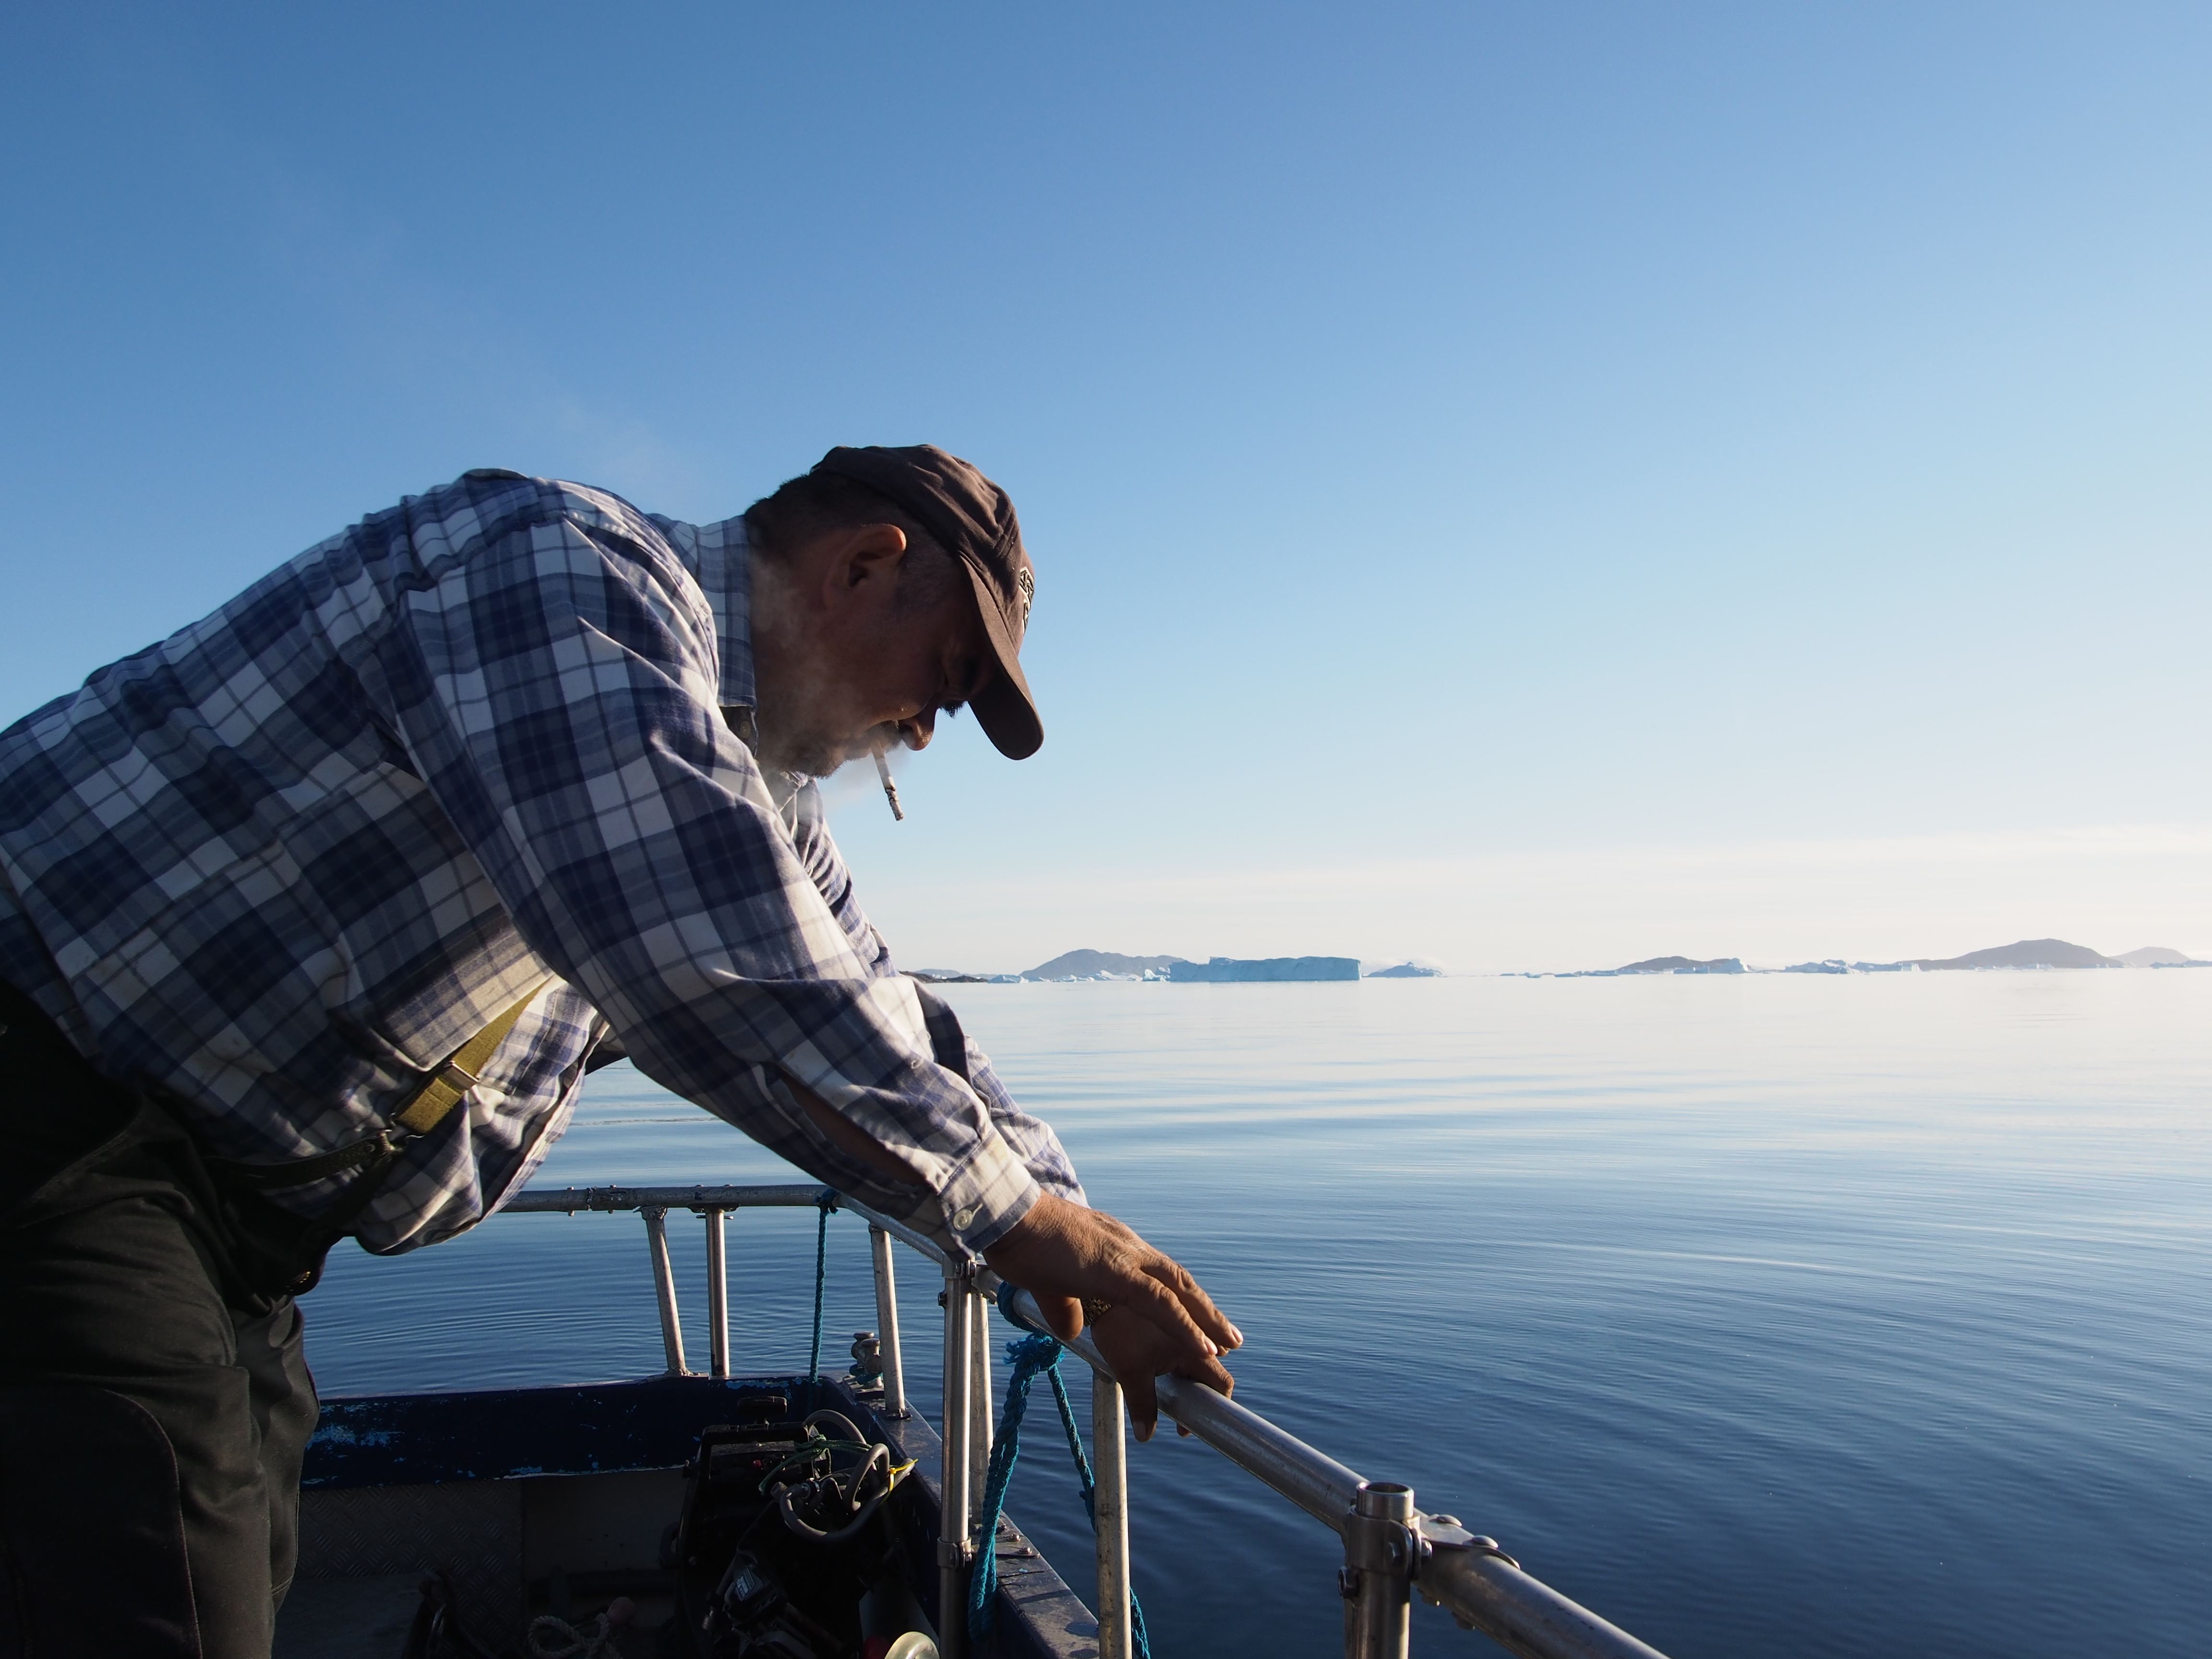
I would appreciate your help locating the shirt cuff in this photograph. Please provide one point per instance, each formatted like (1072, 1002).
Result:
(987, 1194)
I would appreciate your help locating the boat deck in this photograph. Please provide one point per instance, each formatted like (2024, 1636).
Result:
(556, 1499)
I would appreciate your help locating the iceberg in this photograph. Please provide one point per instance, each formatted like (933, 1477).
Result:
(1228, 970)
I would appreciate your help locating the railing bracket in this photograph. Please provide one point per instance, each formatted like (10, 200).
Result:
(1444, 1532)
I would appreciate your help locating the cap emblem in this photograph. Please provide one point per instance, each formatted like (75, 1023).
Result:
(1027, 583)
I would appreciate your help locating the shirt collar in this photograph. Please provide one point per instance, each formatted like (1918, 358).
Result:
(720, 557)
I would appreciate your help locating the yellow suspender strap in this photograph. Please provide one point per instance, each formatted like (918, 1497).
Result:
(459, 1075)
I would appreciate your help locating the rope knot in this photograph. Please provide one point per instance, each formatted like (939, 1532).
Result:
(1030, 1355)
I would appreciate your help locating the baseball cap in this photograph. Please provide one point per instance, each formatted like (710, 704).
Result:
(972, 519)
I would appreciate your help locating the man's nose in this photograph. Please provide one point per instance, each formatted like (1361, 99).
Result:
(916, 733)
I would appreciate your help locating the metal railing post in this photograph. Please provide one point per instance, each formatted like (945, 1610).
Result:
(663, 1286)
(1109, 1463)
(980, 1402)
(718, 1296)
(879, 1245)
(1379, 1551)
(955, 1420)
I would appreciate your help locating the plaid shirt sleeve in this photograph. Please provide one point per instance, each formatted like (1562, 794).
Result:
(1032, 1137)
(554, 688)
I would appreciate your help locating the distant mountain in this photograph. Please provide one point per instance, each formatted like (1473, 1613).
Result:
(1664, 965)
(1082, 965)
(2028, 953)
(1407, 970)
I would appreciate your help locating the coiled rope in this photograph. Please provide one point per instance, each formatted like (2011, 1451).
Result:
(556, 1639)
(1032, 1357)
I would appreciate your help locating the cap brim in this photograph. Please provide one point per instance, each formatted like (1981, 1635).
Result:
(1004, 707)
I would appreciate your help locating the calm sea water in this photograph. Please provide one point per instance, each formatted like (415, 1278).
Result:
(1769, 1314)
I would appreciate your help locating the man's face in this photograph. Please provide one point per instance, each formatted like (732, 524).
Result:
(863, 641)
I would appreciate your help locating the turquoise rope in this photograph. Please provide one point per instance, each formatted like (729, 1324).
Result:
(1075, 1444)
(827, 1202)
(1032, 1357)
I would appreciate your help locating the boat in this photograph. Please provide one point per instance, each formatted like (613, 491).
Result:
(716, 1516)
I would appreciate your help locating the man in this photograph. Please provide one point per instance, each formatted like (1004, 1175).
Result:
(313, 917)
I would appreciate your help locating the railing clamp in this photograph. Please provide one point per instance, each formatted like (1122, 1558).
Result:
(1386, 1541)
(1444, 1532)
(963, 1273)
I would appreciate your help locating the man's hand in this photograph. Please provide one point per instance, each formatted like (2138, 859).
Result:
(1064, 1255)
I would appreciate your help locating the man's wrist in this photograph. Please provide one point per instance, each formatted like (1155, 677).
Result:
(989, 1196)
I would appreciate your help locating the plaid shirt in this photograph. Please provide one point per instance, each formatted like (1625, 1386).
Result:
(282, 864)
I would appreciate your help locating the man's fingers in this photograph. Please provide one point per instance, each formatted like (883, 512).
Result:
(1212, 1373)
(1207, 1317)
(1142, 1396)
(1155, 1304)
(1144, 1403)
(1063, 1315)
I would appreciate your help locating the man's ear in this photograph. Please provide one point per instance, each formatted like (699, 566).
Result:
(866, 562)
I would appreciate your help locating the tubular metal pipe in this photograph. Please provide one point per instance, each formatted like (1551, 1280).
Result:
(898, 1230)
(718, 1297)
(663, 1287)
(1482, 1592)
(1109, 1463)
(1520, 1614)
(1379, 1557)
(979, 1392)
(567, 1200)
(654, 1202)
(1315, 1481)
(952, 1559)
(1317, 1484)
(879, 1247)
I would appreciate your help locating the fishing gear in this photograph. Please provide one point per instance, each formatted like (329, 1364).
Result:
(784, 1541)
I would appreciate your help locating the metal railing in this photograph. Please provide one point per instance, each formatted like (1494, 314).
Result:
(1392, 1550)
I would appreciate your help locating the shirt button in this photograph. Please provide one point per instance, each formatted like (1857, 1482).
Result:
(962, 1217)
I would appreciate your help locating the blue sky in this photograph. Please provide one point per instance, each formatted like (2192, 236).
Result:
(1522, 486)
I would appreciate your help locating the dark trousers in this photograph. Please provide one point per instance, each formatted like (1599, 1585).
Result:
(154, 1403)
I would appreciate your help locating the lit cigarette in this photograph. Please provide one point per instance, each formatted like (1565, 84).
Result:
(891, 789)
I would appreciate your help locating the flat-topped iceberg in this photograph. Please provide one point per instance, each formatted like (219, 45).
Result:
(1226, 970)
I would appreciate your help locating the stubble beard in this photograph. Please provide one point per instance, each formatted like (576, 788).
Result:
(806, 754)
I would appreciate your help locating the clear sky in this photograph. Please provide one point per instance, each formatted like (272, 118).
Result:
(1522, 486)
